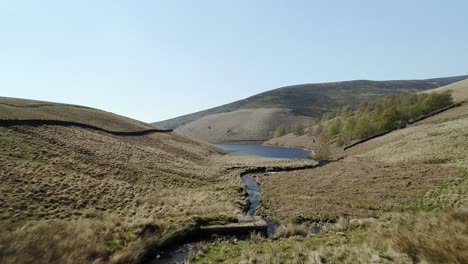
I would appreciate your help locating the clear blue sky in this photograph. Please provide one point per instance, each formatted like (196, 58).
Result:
(153, 60)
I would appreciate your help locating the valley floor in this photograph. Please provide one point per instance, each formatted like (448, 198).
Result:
(74, 195)
(400, 198)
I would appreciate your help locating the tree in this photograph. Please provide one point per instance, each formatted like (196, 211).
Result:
(379, 115)
(339, 140)
(347, 132)
(280, 131)
(437, 101)
(298, 130)
(322, 152)
(327, 116)
(334, 127)
(365, 127)
(389, 118)
(346, 111)
(362, 107)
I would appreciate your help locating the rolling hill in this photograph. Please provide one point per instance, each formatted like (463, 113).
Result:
(82, 185)
(316, 98)
(241, 125)
(309, 139)
(21, 109)
(71, 194)
(460, 90)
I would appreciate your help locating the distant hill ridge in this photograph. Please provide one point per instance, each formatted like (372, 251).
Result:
(317, 98)
(308, 140)
(241, 125)
(37, 112)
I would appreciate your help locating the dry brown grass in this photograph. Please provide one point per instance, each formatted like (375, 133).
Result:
(241, 125)
(459, 90)
(80, 176)
(290, 229)
(395, 238)
(352, 188)
(14, 108)
(418, 170)
(63, 171)
(57, 242)
(427, 238)
(83, 181)
(429, 143)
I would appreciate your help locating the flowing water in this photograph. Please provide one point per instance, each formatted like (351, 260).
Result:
(181, 253)
(253, 191)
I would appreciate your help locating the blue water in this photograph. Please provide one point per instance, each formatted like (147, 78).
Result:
(253, 191)
(266, 151)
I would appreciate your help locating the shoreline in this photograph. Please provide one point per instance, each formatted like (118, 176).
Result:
(260, 143)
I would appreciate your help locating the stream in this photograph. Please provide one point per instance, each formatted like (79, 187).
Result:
(253, 192)
(182, 252)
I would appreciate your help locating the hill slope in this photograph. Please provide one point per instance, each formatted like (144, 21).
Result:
(460, 90)
(316, 99)
(309, 139)
(74, 195)
(241, 125)
(385, 202)
(14, 108)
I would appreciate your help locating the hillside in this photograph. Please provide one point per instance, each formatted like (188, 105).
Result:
(315, 99)
(14, 108)
(460, 90)
(398, 198)
(73, 194)
(309, 139)
(241, 125)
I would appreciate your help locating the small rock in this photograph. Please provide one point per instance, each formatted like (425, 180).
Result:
(341, 233)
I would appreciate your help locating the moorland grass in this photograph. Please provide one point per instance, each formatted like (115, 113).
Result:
(113, 199)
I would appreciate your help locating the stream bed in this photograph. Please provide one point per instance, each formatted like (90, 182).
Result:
(182, 252)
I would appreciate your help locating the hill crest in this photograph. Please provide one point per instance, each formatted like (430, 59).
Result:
(314, 99)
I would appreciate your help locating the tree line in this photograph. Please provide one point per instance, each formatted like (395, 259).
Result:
(383, 114)
(372, 117)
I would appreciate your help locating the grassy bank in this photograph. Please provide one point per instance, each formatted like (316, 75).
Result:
(400, 198)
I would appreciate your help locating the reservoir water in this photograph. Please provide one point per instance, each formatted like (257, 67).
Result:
(266, 151)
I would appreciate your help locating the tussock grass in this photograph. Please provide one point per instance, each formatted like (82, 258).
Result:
(122, 197)
(291, 229)
(356, 189)
(57, 242)
(395, 238)
(427, 237)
